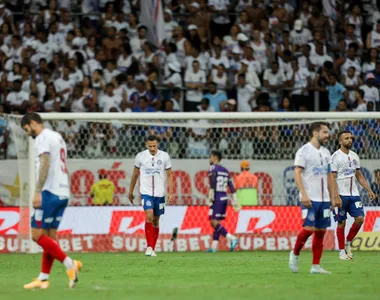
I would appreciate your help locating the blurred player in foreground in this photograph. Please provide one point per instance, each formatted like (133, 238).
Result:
(315, 186)
(154, 166)
(220, 180)
(345, 167)
(50, 199)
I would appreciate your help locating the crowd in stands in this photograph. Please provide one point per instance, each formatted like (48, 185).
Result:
(217, 56)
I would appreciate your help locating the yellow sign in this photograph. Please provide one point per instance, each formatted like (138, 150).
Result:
(366, 241)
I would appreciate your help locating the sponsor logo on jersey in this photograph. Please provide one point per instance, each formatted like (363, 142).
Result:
(348, 172)
(318, 171)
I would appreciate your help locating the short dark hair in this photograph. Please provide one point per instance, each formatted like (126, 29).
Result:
(340, 133)
(316, 126)
(217, 153)
(152, 138)
(376, 171)
(29, 117)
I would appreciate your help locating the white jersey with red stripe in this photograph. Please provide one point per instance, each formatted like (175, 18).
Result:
(345, 167)
(315, 163)
(153, 172)
(57, 181)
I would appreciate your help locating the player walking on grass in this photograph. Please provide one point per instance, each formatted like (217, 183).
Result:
(151, 165)
(220, 180)
(50, 199)
(345, 167)
(315, 186)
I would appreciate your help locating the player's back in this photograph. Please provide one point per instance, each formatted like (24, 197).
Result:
(221, 177)
(51, 142)
(315, 164)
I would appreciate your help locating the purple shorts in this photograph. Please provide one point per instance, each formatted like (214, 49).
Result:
(218, 210)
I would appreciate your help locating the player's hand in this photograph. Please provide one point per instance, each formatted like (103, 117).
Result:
(305, 200)
(130, 197)
(338, 202)
(371, 195)
(210, 198)
(236, 206)
(170, 198)
(37, 200)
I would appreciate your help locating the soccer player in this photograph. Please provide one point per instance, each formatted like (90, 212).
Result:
(50, 199)
(220, 180)
(153, 165)
(102, 192)
(345, 167)
(314, 183)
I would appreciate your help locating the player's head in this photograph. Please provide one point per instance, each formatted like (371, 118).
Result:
(32, 123)
(320, 132)
(102, 174)
(215, 157)
(152, 144)
(244, 165)
(345, 139)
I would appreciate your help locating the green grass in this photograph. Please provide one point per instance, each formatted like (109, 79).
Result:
(182, 276)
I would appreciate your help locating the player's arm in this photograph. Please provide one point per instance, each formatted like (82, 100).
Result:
(135, 176)
(92, 192)
(235, 203)
(211, 193)
(43, 171)
(363, 182)
(169, 175)
(298, 179)
(333, 190)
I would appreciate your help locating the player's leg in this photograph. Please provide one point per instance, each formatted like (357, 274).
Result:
(322, 221)
(47, 259)
(148, 205)
(159, 209)
(217, 214)
(308, 227)
(73, 272)
(342, 216)
(357, 212)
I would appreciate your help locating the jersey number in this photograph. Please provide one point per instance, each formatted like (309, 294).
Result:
(63, 160)
(221, 184)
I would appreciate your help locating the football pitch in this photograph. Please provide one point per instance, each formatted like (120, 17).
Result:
(223, 275)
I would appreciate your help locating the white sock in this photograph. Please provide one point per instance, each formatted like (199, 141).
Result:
(229, 236)
(43, 276)
(214, 245)
(348, 243)
(68, 262)
(342, 252)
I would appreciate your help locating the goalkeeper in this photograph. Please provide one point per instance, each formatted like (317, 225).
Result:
(220, 180)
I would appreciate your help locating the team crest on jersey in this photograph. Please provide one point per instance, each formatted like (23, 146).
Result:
(159, 162)
(355, 162)
(311, 217)
(342, 213)
(148, 203)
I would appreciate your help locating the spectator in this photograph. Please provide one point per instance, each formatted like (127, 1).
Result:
(371, 93)
(33, 104)
(342, 106)
(299, 36)
(219, 76)
(351, 82)
(373, 37)
(144, 106)
(246, 95)
(216, 97)
(205, 106)
(169, 24)
(64, 86)
(17, 100)
(370, 65)
(177, 99)
(285, 105)
(361, 105)
(109, 99)
(350, 61)
(274, 80)
(336, 91)
(141, 92)
(174, 78)
(195, 81)
(300, 82)
(103, 190)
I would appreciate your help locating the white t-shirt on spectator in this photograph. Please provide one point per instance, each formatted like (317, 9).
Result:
(203, 62)
(175, 79)
(109, 75)
(300, 38)
(319, 60)
(65, 28)
(107, 102)
(168, 27)
(244, 94)
(78, 105)
(300, 80)
(15, 54)
(371, 94)
(191, 77)
(46, 50)
(93, 65)
(17, 98)
(60, 85)
(57, 38)
(217, 61)
(76, 77)
(351, 63)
